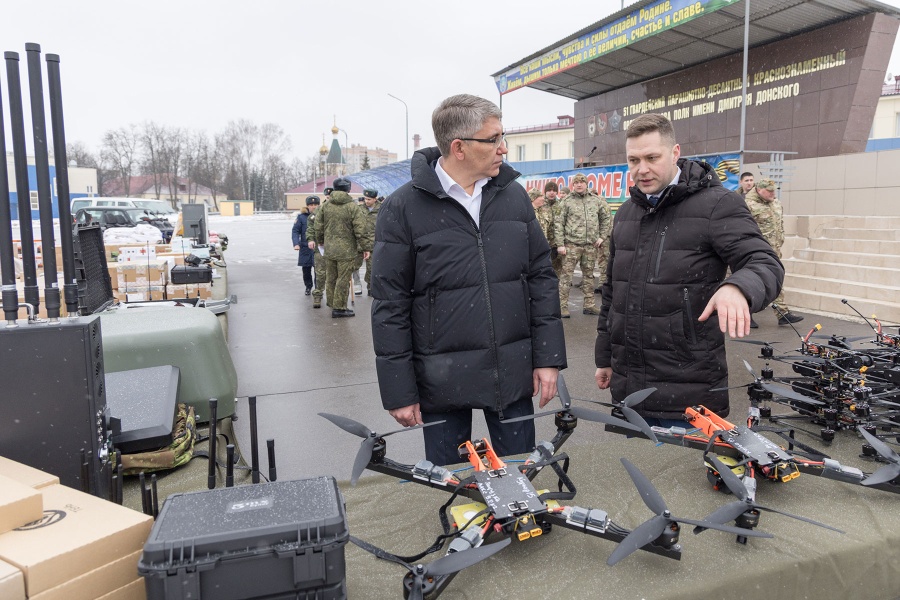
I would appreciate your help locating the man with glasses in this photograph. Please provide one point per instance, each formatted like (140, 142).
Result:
(465, 311)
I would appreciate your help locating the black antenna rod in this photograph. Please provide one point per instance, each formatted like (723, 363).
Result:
(23, 191)
(229, 465)
(143, 482)
(63, 197)
(42, 174)
(154, 494)
(8, 292)
(213, 409)
(270, 445)
(781, 313)
(254, 445)
(844, 301)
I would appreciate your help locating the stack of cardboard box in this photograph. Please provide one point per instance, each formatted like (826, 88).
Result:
(57, 543)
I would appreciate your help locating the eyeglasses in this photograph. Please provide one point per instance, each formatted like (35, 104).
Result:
(495, 141)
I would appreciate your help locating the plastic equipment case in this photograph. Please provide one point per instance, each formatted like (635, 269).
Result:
(273, 540)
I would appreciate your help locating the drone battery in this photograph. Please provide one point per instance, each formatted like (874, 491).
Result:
(182, 274)
(274, 540)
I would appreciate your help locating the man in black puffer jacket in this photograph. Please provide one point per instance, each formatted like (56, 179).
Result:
(466, 309)
(671, 245)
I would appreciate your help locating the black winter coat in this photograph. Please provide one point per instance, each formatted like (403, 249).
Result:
(461, 314)
(665, 264)
(306, 257)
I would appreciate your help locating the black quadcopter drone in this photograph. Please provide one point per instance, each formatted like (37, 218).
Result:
(504, 501)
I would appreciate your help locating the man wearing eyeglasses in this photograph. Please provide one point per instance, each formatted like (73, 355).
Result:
(465, 311)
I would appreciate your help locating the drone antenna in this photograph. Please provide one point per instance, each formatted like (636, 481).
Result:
(783, 315)
(254, 444)
(844, 301)
(213, 434)
(270, 446)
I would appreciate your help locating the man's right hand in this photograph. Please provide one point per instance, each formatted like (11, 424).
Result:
(312, 245)
(603, 377)
(561, 250)
(407, 415)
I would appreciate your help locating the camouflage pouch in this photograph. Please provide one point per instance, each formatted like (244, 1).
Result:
(179, 452)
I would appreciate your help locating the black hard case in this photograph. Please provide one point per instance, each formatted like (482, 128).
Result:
(274, 540)
(182, 274)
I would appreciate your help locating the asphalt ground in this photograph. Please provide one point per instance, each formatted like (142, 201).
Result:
(298, 361)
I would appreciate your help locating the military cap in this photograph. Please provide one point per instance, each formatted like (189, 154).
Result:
(327, 191)
(765, 184)
(312, 200)
(534, 193)
(370, 193)
(342, 184)
(579, 177)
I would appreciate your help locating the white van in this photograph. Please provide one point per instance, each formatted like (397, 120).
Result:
(161, 207)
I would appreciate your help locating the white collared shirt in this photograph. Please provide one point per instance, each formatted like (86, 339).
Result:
(472, 203)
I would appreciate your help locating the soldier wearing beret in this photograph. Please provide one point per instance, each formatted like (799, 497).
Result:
(766, 211)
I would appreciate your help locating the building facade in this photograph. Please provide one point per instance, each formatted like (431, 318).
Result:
(542, 148)
(82, 184)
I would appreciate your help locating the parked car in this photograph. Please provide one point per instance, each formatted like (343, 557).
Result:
(112, 216)
(160, 207)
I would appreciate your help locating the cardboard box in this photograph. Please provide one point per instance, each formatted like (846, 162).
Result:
(106, 579)
(173, 257)
(140, 275)
(30, 476)
(136, 253)
(189, 290)
(12, 582)
(136, 590)
(19, 504)
(79, 533)
(145, 294)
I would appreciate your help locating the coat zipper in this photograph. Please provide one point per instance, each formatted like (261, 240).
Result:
(662, 243)
(690, 316)
(431, 319)
(487, 290)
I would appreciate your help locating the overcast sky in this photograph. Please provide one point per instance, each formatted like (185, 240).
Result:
(201, 63)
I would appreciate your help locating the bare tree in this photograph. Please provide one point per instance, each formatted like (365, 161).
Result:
(78, 153)
(119, 149)
(152, 139)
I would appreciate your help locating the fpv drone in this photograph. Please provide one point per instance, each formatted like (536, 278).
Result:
(504, 501)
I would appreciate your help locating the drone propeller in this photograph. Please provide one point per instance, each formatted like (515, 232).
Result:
(756, 342)
(656, 526)
(745, 502)
(841, 338)
(369, 438)
(781, 390)
(888, 472)
(576, 411)
(630, 414)
(447, 564)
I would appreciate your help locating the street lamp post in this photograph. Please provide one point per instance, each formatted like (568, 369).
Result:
(407, 122)
(344, 152)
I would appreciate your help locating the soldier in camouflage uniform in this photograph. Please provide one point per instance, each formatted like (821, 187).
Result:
(341, 229)
(542, 212)
(552, 199)
(371, 205)
(581, 230)
(319, 260)
(766, 211)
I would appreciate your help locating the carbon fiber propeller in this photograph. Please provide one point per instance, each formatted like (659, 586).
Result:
(445, 565)
(745, 502)
(650, 530)
(369, 438)
(575, 411)
(888, 472)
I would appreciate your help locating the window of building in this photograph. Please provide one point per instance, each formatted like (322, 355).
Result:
(34, 201)
(547, 151)
(897, 125)
(520, 153)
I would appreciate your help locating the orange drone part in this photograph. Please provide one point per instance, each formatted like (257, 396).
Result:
(707, 421)
(490, 461)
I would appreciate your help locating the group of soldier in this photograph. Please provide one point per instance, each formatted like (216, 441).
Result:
(577, 224)
(334, 237)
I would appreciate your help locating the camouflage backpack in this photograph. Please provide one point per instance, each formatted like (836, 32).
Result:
(179, 452)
